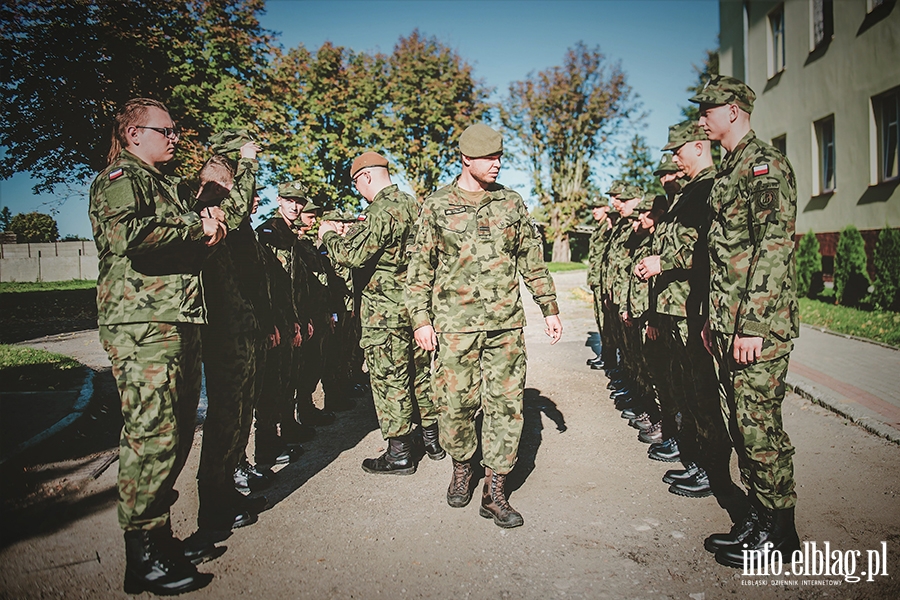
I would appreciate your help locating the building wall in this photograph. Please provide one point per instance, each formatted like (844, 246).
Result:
(861, 60)
(58, 261)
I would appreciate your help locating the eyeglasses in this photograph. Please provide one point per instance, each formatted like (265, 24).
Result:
(169, 132)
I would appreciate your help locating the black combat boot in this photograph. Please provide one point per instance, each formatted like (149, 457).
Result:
(739, 532)
(223, 508)
(153, 563)
(697, 486)
(775, 527)
(676, 475)
(494, 504)
(459, 494)
(397, 460)
(432, 443)
(248, 478)
(664, 451)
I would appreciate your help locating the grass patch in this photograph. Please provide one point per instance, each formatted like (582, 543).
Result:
(24, 369)
(556, 267)
(12, 287)
(881, 326)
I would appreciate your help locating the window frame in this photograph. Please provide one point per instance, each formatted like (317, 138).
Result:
(882, 133)
(827, 20)
(824, 149)
(775, 35)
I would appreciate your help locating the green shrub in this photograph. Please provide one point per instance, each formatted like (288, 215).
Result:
(887, 270)
(851, 281)
(809, 266)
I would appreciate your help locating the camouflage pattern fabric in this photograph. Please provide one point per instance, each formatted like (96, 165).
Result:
(752, 396)
(751, 246)
(596, 247)
(376, 246)
(397, 366)
(148, 245)
(680, 242)
(157, 372)
(483, 370)
(466, 260)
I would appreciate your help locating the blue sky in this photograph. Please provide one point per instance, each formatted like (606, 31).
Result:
(656, 41)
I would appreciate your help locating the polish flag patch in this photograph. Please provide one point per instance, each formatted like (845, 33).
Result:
(113, 175)
(760, 170)
(361, 218)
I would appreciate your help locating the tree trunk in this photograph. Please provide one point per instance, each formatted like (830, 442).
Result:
(561, 250)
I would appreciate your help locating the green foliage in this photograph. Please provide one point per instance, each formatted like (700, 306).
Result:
(691, 111)
(34, 227)
(851, 280)
(809, 266)
(638, 166)
(5, 218)
(557, 267)
(29, 369)
(203, 58)
(12, 287)
(881, 326)
(561, 120)
(886, 261)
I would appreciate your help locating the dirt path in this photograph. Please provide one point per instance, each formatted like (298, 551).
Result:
(599, 522)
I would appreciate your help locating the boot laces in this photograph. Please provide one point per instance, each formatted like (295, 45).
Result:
(497, 494)
(459, 478)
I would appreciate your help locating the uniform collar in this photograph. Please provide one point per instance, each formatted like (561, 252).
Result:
(460, 197)
(128, 157)
(731, 156)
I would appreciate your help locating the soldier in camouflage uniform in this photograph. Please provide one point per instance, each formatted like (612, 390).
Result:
(600, 263)
(679, 268)
(231, 342)
(753, 314)
(399, 370)
(599, 210)
(278, 434)
(475, 238)
(150, 246)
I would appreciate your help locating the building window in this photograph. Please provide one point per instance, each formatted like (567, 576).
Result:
(822, 22)
(781, 143)
(826, 177)
(886, 109)
(776, 41)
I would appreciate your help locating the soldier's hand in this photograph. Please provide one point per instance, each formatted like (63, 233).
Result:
(652, 332)
(426, 338)
(274, 338)
(213, 212)
(707, 338)
(214, 230)
(249, 150)
(310, 330)
(647, 268)
(626, 318)
(298, 337)
(553, 329)
(327, 226)
(747, 349)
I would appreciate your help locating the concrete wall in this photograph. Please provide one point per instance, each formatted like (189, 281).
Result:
(59, 261)
(840, 78)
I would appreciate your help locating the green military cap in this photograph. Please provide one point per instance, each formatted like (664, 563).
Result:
(480, 140)
(597, 201)
(339, 215)
(723, 89)
(616, 187)
(294, 189)
(310, 207)
(631, 192)
(229, 141)
(365, 160)
(684, 132)
(666, 165)
(645, 204)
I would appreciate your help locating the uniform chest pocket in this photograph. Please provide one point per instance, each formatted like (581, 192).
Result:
(453, 223)
(502, 229)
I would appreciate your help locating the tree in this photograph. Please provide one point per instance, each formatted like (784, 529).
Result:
(561, 120)
(809, 266)
(431, 98)
(638, 167)
(851, 281)
(34, 227)
(67, 65)
(5, 218)
(691, 111)
(886, 259)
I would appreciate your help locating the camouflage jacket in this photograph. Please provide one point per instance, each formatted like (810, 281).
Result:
(682, 288)
(466, 260)
(615, 280)
(637, 247)
(751, 247)
(376, 247)
(596, 245)
(277, 236)
(149, 246)
(251, 275)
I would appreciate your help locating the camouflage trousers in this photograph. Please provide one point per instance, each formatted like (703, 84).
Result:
(485, 370)
(157, 372)
(598, 307)
(611, 336)
(230, 364)
(636, 364)
(400, 377)
(751, 398)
